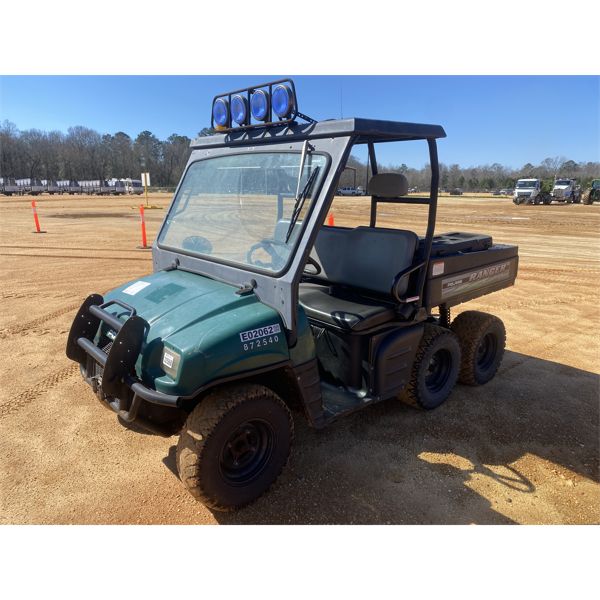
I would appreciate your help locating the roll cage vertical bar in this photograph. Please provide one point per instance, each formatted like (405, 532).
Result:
(433, 198)
(422, 263)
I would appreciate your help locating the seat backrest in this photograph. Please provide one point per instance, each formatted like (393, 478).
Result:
(388, 185)
(368, 258)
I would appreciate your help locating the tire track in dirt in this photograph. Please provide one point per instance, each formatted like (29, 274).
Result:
(20, 400)
(539, 302)
(22, 327)
(74, 256)
(51, 248)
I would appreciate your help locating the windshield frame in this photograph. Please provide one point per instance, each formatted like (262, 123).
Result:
(277, 292)
(316, 190)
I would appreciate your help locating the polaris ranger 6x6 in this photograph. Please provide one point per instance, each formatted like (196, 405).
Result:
(256, 306)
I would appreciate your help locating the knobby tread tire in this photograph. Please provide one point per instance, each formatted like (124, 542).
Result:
(587, 198)
(410, 395)
(469, 327)
(200, 427)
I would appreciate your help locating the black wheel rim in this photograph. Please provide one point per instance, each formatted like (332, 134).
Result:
(486, 351)
(247, 452)
(438, 370)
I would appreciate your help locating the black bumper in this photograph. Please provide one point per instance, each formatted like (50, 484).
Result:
(115, 380)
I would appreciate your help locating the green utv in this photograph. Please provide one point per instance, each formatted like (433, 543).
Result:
(255, 306)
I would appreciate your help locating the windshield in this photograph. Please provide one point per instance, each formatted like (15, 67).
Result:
(527, 183)
(239, 208)
(562, 182)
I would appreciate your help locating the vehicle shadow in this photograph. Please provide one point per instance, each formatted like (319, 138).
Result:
(394, 464)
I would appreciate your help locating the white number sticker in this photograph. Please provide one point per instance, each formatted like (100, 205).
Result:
(253, 334)
(259, 343)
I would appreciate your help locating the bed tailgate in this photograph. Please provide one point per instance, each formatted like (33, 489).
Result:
(460, 277)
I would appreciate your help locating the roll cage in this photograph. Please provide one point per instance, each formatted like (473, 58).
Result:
(336, 138)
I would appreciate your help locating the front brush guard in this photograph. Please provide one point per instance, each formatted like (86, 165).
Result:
(119, 362)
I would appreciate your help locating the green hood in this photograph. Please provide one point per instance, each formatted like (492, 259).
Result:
(200, 320)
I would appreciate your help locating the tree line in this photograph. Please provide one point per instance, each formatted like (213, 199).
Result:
(83, 153)
(482, 178)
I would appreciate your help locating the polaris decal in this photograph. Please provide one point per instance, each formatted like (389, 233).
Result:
(459, 284)
(253, 334)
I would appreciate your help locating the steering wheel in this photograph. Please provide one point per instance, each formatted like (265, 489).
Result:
(313, 263)
(197, 243)
(268, 245)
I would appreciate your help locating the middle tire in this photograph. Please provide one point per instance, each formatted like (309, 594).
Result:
(435, 369)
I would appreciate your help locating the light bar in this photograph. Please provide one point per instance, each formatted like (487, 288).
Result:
(267, 104)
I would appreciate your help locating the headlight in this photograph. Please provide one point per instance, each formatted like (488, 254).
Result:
(282, 101)
(239, 109)
(169, 362)
(221, 112)
(259, 105)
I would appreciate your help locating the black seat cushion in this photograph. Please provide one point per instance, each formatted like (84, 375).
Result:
(342, 308)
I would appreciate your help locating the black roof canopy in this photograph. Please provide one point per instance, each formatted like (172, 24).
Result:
(365, 130)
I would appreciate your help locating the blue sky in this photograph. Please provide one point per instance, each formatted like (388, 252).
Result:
(505, 119)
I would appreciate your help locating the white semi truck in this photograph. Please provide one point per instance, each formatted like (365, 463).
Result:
(566, 190)
(529, 191)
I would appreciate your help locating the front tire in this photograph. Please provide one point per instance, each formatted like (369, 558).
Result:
(435, 369)
(234, 445)
(482, 340)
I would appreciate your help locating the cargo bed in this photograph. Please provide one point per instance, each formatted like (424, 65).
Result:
(464, 266)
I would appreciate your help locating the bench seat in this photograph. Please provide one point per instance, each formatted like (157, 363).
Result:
(346, 309)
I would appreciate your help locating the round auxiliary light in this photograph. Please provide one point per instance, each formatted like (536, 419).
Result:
(259, 105)
(282, 100)
(239, 109)
(221, 112)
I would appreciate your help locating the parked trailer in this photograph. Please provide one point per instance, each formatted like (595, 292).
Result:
(89, 187)
(117, 187)
(52, 186)
(8, 186)
(73, 187)
(104, 189)
(63, 185)
(96, 187)
(31, 186)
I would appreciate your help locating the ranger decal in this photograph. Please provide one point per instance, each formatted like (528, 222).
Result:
(473, 280)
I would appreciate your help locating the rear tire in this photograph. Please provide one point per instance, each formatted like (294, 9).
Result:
(482, 340)
(435, 369)
(587, 198)
(234, 445)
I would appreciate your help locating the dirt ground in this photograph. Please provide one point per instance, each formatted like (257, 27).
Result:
(522, 449)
